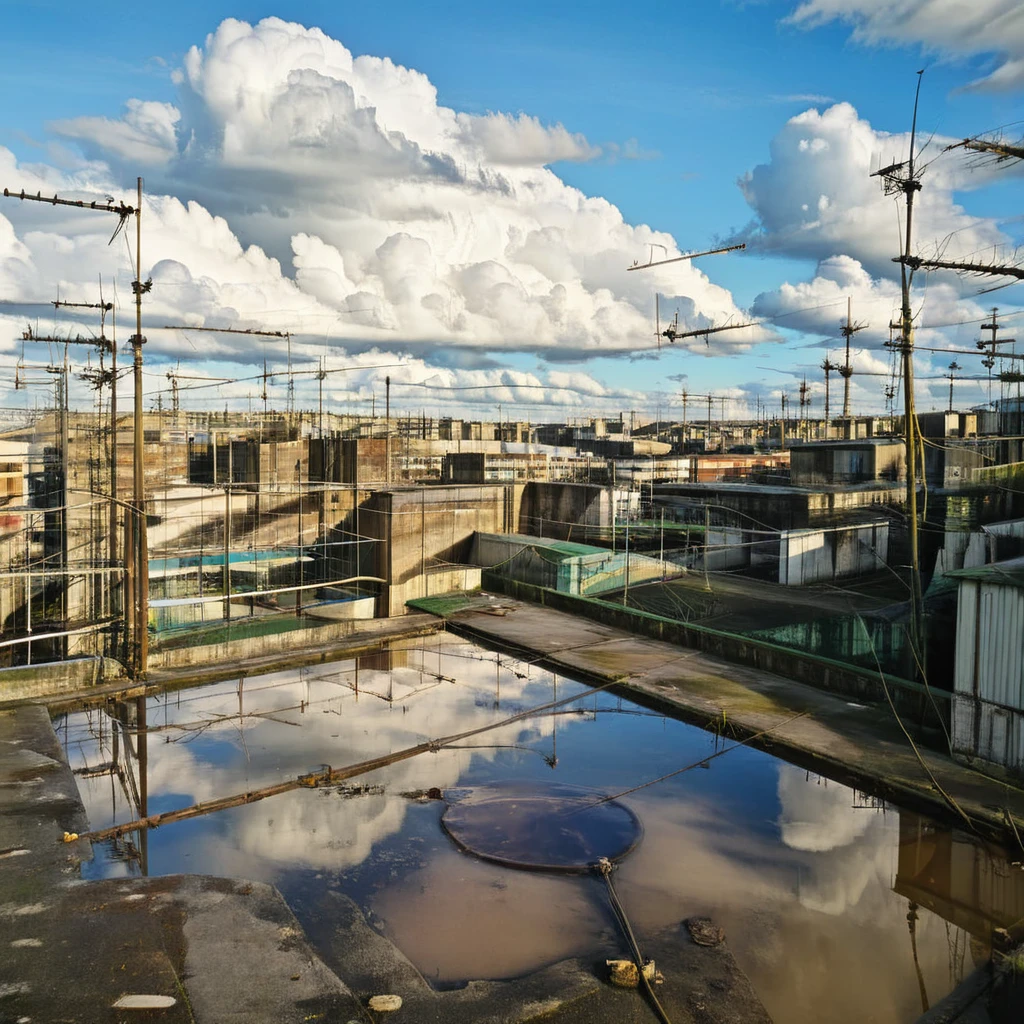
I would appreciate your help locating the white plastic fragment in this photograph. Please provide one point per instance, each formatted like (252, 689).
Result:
(384, 1004)
(26, 943)
(144, 1002)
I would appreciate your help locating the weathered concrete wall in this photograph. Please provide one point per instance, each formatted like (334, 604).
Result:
(425, 529)
(295, 640)
(564, 510)
(811, 556)
(29, 681)
(431, 583)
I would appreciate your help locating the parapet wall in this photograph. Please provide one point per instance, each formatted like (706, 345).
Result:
(26, 682)
(912, 700)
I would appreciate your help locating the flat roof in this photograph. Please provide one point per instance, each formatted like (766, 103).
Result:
(851, 443)
(789, 490)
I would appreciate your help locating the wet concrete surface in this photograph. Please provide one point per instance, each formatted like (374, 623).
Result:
(72, 949)
(856, 744)
(227, 950)
(701, 984)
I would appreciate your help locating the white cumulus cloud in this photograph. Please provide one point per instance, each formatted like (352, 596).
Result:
(965, 27)
(816, 198)
(309, 184)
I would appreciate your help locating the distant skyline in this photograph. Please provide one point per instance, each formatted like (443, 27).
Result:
(452, 195)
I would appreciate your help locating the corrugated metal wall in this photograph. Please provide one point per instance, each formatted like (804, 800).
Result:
(988, 702)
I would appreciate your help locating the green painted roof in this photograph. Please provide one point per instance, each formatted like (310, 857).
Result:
(1009, 573)
(568, 548)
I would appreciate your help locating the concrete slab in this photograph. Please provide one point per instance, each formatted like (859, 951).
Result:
(854, 743)
(69, 950)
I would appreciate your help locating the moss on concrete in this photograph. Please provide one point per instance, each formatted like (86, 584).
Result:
(443, 605)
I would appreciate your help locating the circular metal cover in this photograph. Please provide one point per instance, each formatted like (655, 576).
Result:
(541, 827)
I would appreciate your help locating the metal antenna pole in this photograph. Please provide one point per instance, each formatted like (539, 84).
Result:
(141, 616)
(387, 428)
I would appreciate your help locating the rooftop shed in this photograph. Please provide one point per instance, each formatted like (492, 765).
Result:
(988, 682)
(847, 462)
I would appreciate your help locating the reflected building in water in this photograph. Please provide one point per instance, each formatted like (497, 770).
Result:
(969, 883)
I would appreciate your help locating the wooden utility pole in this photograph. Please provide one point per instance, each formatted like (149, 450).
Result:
(895, 180)
(298, 593)
(320, 374)
(226, 573)
(991, 354)
(113, 435)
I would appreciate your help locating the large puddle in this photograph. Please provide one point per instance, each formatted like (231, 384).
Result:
(838, 909)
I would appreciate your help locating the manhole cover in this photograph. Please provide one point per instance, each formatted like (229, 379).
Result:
(541, 827)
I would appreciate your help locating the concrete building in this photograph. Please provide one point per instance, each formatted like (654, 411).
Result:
(422, 538)
(830, 463)
(988, 681)
(980, 463)
(19, 546)
(634, 448)
(223, 460)
(644, 472)
(349, 460)
(778, 507)
(792, 558)
(572, 511)
(833, 553)
(948, 424)
(493, 468)
(712, 468)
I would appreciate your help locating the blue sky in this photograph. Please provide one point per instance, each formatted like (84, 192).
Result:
(681, 99)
